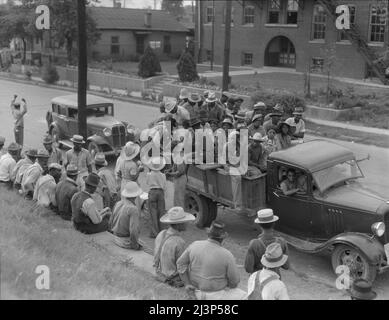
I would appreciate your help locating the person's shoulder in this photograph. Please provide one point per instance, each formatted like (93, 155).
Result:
(289, 120)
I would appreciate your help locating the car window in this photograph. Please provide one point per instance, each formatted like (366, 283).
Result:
(99, 111)
(55, 108)
(73, 113)
(62, 110)
(301, 178)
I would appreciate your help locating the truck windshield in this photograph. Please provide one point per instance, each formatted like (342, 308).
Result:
(338, 173)
(99, 111)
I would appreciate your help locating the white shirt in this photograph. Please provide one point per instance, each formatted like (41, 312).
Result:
(44, 191)
(90, 209)
(273, 290)
(31, 176)
(300, 127)
(7, 165)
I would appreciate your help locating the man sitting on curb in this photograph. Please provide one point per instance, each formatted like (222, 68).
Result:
(124, 222)
(267, 284)
(169, 246)
(208, 270)
(64, 192)
(86, 218)
(44, 192)
(21, 166)
(257, 247)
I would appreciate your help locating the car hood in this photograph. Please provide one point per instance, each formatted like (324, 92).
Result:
(105, 122)
(355, 196)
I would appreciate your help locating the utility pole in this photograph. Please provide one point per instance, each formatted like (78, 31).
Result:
(197, 33)
(213, 34)
(82, 68)
(227, 41)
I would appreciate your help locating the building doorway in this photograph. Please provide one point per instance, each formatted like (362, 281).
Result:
(280, 52)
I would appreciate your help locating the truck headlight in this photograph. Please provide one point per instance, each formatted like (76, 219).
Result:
(378, 229)
(107, 132)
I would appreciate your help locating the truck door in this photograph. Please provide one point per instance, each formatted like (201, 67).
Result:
(72, 122)
(294, 210)
(62, 120)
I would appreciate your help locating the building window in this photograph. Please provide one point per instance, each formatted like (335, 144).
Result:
(209, 16)
(319, 23)
(274, 11)
(140, 45)
(209, 55)
(155, 44)
(115, 46)
(248, 15)
(232, 16)
(247, 58)
(342, 33)
(167, 47)
(377, 23)
(292, 12)
(317, 64)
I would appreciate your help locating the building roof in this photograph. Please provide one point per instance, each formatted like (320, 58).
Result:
(72, 100)
(133, 19)
(314, 155)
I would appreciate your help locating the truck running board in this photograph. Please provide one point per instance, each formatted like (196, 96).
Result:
(303, 245)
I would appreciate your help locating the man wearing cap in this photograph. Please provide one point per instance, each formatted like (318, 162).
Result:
(44, 191)
(183, 97)
(108, 188)
(64, 192)
(256, 126)
(169, 246)
(362, 290)
(266, 284)
(2, 142)
(124, 222)
(258, 108)
(213, 109)
(8, 163)
(54, 153)
(21, 167)
(33, 173)
(279, 109)
(257, 154)
(192, 106)
(208, 270)
(273, 122)
(257, 247)
(85, 215)
(297, 123)
(18, 115)
(79, 157)
(180, 114)
(156, 182)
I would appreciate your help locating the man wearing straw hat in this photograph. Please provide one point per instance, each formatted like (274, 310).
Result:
(183, 97)
(44, 192)
(169, 246)
(208, 270)
(192, 106)
(55, 153)
(297, 123)
(21, 167)
(257, 247)
(266, 284)
(64, 192)
(124, 222)
(180, 114)
(256, 126)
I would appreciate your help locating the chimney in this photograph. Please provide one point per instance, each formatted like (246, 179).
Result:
(148, 19)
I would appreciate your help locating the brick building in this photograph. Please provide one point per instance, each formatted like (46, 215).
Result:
(299, 33)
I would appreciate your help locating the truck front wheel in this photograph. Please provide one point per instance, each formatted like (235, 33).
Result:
(198, 205)
(356, 262)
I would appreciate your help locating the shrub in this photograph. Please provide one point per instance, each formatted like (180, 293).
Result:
(186, 68)
(28, 74)
(348, 103)
(50, 74)
(149, 64)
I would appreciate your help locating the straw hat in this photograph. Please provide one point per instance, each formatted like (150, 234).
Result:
(170, 104)
(72, 170)
(362, 290)
(77, 139)
(184, 93)
(13, 146)
(131, 190)
(257, 116)
(48, 139)
(226, 94)
(55, 166)
(266, 216)
(298, 111)
(259, 105)
(194, 97)
(130, 151)
(228, 120)
(32, 153)
(274, 257)
(100, 160)
(43, 154)
(257, 137)
(177, 215)
(217, 230)
(156, 163)
(211, 97)
(284, 123)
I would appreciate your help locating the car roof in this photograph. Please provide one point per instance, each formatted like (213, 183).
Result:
(314, 155)
(72, 100)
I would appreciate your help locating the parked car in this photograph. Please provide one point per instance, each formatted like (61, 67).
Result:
(105, 133)
(336, 212)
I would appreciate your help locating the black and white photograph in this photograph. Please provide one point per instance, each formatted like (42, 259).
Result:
(194, 150)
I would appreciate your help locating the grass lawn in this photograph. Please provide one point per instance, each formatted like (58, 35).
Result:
(79, 267)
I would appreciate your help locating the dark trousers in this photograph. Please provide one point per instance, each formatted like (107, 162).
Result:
(156, 209)
(90, 228)
(19, 135)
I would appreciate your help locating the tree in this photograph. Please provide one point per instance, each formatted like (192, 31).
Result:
(175, 7)
(186, 68)
(149, 64)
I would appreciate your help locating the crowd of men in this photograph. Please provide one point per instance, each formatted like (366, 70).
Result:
(80, 188)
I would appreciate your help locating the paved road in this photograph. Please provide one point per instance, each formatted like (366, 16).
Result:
(313, 279)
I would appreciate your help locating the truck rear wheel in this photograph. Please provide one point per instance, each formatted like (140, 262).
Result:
(199, 206)
(356, 262)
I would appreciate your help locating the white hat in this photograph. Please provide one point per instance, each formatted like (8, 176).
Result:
(258, 137)
(211, 97)
(55, 165)
(266, 216)
(184, 93)
(131, 190)
(130, 151)
(170, 105)
(259, 105)
(274, 257)
(156, 163)
(177, 215)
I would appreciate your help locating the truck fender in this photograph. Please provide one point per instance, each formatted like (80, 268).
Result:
(369, 246)
(96, 139)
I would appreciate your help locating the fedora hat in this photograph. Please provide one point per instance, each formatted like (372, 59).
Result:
(259, 105)
(194, 97)
(278, 107)
(32, 153)
(2, 141)
(13, 146)
(257, 137)
(274, 257)
(55, 166)
(48, 139)
(298, 111)
(156, 163)
(257, 116)
(131, 190)
(216, 230)
(177, 215)
(211, 97)
(43, 154)
(275, 114)
(228, 120)
(92, 180)
(72, 170)
(362, 290)
(266, 216)
(226, 94)
(100, 160)
(130, 151)
(77, 139)
(184, 93)
(170, 104)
